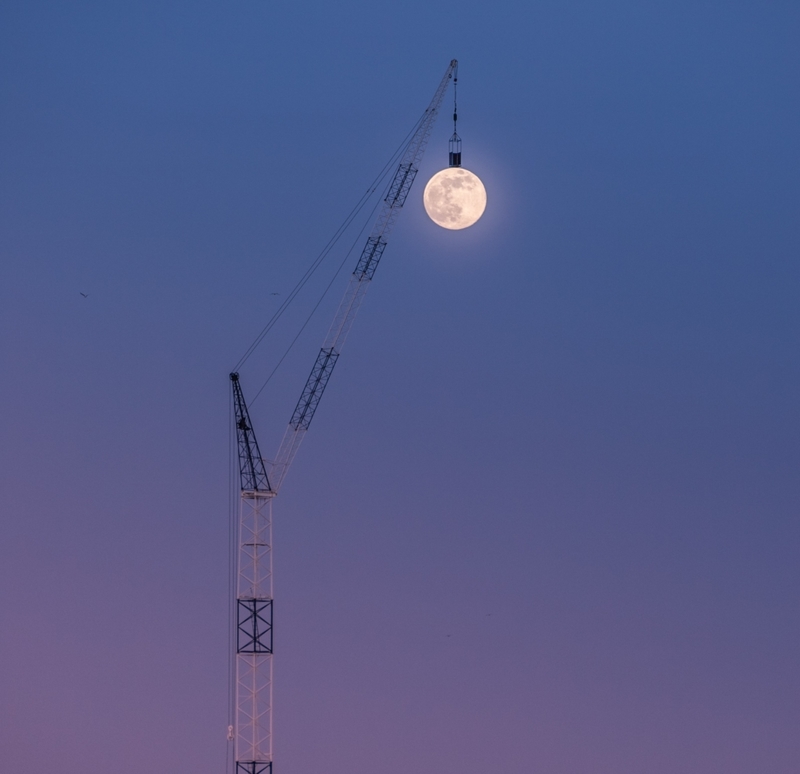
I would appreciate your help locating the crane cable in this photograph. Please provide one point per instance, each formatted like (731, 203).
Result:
(455, 100)
(232, 525)
(330, 245)
(316, 306)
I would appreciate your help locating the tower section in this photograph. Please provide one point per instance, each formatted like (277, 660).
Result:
(252, 722)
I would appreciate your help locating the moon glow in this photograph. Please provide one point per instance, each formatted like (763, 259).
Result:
(454, 198)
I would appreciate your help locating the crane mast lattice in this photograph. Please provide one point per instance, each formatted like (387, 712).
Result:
(250, 731)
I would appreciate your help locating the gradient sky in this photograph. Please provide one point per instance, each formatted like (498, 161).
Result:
(546, 518)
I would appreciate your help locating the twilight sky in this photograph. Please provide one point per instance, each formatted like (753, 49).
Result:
(546, 518)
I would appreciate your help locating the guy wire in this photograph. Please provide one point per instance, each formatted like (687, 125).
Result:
(330, 245)
(232, 520)
(316, 306)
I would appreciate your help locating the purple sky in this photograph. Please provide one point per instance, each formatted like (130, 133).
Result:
(546, 518)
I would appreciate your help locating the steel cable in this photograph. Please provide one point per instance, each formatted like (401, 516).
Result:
(317, 262)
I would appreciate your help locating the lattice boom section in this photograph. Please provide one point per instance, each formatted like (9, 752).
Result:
(315, 386)
(368, 262)
(401, 185)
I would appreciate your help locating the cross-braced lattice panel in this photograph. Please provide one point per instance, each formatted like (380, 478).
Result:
(254, 626)
(253, 767)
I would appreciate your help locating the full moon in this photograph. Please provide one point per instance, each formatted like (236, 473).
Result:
(454, 198)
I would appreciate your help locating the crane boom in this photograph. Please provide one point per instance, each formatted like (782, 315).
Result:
(250, 729)
(357, 287)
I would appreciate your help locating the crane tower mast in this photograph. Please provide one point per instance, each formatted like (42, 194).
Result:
(250, 731)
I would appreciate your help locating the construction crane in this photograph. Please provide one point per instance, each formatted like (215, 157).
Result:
(250, 729)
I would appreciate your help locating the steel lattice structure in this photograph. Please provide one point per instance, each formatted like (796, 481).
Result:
(251, 728)
(359, 283)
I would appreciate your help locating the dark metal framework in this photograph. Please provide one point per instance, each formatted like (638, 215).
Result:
(253, 767)
(455, 150)
(401, 185)
(370, 257)
(315, 386)
(251, 466)
(254, 626)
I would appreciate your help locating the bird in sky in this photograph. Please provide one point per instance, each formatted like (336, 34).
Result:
(274, 294)
(85, 295)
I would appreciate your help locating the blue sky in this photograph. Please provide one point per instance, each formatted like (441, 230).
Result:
(546, 517)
